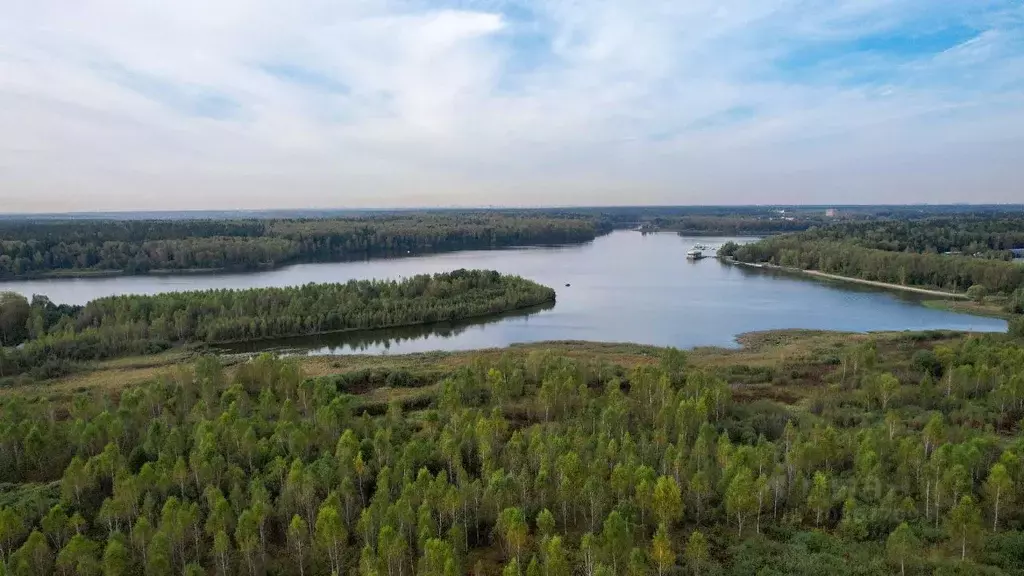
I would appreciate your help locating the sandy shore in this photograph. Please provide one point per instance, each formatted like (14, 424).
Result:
(886, 285)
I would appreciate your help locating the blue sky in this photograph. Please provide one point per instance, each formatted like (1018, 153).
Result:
(385, 103)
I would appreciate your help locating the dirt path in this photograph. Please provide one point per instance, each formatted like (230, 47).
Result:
(886, 285)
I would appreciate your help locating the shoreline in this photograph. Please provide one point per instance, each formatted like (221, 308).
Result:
(87, 274)
(826, 276)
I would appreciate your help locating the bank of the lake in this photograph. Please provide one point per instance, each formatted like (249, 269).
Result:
(850, 280)
(759, 353)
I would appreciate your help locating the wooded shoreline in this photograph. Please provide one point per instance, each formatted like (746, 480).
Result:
(836, 277)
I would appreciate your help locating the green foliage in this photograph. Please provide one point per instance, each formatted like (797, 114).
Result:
(139, 324)
(902, 546)
(862, 252)
(35, 248)
(257, 469)
(14, 315)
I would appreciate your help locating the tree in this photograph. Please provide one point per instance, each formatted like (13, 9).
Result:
(740, 498)
(11, 528)
(555, 560)
(512, 568)
(438, 559)
(298, 532)
(222, 551)
(668, 502)
(700, 487)
(616, 540)
(80, 556)
(661, 550)
(512, 525)
(696, 551)
(14, 315)
(116, 558)
(545, 522)
(55, 525)
(820, 498)
(330, 536)
(902, 546)
(1016, 328)
(887, 387)
(964, 524)
(34, 558)
(977, 292)
(999, 487)
(637, 563)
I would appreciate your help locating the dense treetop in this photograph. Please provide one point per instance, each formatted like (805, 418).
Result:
(45, 247)
(904, 458)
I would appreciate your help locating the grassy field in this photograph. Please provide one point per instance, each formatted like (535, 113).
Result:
(788, 366)
(990, 307)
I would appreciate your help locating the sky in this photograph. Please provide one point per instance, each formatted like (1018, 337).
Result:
(256, 104)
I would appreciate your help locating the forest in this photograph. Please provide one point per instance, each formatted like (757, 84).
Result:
(962, 253)
(52, 338)
(33, 248)
(987, 236)
(802, 454)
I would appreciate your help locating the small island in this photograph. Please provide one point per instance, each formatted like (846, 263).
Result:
(56, 336)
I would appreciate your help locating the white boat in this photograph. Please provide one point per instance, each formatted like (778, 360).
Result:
(695, 254)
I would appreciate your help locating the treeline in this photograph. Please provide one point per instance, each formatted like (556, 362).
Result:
(991, 236)
(528, 466)
(121, 325)
(30, 248)
(847, 258)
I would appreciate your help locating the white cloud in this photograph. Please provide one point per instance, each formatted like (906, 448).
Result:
(125, 105)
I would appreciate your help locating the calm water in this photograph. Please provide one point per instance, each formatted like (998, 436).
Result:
(624, 287)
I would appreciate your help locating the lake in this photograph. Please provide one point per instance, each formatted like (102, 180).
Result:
(622, 287)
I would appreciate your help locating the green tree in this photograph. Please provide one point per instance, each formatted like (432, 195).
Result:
(740, 497)
(999, 487)
(116, 558)
(438, 559)
(11, 529)
(513, 528)
(902, 546)
(668, 501)
(820, 498)
(637, 563)
(696, 551)
(661, 550)
(616, 540)
(330, 536)
(886, 387)
(79, 556)
(55, 525)
(512, 568)
(298, 534)
(14, 315)
(964, 524)
(977, 292)
(34, 558)
(545, 522)
(555, 560)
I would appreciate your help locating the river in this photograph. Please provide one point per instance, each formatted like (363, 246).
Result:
(622, 287)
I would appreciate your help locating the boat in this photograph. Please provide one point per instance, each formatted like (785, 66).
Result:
(695, 254)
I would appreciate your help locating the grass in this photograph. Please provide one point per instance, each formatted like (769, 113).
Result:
(786, 366)
(990, 307)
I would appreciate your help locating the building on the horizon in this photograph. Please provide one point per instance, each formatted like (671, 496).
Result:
(830, 213)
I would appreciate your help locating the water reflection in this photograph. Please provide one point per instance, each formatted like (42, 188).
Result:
(377, 341)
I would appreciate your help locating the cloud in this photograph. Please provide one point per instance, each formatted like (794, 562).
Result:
(144, 105)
